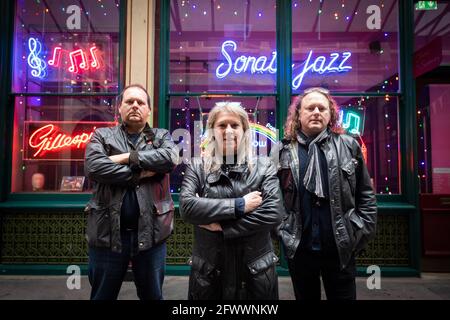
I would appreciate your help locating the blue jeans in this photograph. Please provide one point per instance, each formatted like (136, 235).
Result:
(107, 269)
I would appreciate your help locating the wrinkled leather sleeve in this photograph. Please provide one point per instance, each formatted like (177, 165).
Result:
(199, 210)
(99, 168)
(163, 158)
(365, 200)
(267, 216)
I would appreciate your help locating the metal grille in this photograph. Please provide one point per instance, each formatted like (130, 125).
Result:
(390, 247)
(58, 238)
(44, 238)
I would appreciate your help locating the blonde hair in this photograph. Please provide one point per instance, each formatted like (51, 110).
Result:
(214, 159)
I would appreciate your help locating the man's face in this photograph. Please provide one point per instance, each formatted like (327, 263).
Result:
(228, 132)
(134, 109)
(314, 114)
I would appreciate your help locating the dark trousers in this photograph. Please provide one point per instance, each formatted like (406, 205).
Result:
(308, 266)
(107, 269)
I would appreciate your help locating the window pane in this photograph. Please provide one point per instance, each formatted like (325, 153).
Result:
(226, 46)
(50, 136)
(347, 46)
(66, 46)
(431, 39)
(433, 131)
(373, 121)
(188, 117)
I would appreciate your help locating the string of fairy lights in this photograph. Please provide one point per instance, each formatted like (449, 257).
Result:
(190, 10)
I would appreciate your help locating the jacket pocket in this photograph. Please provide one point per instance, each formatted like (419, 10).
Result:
(356, 225)
(262, 263)
(204, 282)
(163, 220)
(98, 231)
(349, 170)
(262, 283)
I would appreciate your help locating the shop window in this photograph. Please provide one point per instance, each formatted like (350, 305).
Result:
(65, 79)
(66, 46)
(188, 117)
(345, 45)
(373, 122)
(223, 46)
(227, 51)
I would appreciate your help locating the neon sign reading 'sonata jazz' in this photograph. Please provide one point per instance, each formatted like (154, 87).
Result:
(80, 59)
(336, 62)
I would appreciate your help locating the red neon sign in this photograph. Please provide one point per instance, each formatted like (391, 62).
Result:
(56, 141)
(78, 59)
(50, 138)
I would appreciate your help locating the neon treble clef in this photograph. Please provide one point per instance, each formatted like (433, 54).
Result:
(37, 64)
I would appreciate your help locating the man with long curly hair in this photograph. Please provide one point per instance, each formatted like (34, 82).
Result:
(330, 203)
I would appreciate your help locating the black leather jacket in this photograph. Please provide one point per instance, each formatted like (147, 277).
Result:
(352, 199)
(238, 263)
(155, 151)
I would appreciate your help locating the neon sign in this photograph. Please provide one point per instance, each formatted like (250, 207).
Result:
(52, 138)
(352, 123)
(260, 65)
(268, 132)
(80, 60)
(34, 61)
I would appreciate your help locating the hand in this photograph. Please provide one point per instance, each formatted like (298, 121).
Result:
(252, 201)
(146, 174)
(123, 158)
(215, 227)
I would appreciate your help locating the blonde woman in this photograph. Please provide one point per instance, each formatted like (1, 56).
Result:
(233, 200)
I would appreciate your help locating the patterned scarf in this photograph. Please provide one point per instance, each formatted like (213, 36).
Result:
(313, 176)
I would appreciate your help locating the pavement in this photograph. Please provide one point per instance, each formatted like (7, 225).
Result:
(430, 286)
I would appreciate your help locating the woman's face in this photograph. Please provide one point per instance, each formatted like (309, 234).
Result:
(228, 132)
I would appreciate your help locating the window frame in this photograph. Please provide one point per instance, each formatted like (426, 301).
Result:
(53, 200)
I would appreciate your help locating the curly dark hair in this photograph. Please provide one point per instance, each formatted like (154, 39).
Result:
(293, 125)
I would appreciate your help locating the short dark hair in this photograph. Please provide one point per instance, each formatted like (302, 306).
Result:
(119, 98)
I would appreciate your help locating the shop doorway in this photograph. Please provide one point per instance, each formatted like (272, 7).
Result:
(433, 128)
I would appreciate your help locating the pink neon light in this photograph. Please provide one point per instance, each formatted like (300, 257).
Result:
(78, 59)
(56, 57)
(50, 138)
(95, 63)
(363, 149)
(73, 60)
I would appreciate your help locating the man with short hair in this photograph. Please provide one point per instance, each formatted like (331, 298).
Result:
(130, 214)
(328, 195)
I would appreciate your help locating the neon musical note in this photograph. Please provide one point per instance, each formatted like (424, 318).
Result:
(56, 57)
(95, 63)
(352, 122)
(74, 65)
(37, 64)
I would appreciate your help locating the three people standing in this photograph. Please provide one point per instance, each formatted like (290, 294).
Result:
(315, 192)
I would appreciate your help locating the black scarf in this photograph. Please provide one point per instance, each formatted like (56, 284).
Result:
(313, 176)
